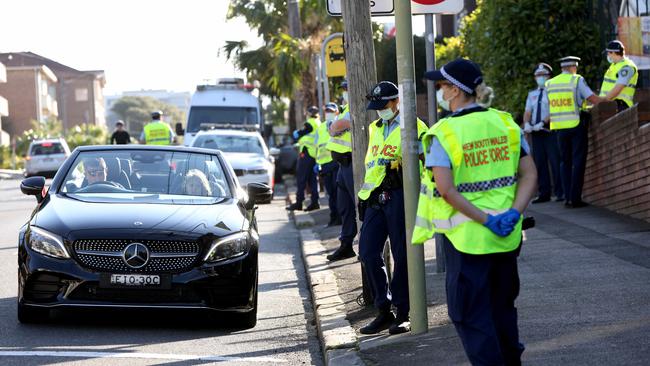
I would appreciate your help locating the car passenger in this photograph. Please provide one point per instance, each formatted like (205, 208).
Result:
(196, 184)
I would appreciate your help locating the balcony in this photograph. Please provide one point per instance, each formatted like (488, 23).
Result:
(4, 107)
(3, 73)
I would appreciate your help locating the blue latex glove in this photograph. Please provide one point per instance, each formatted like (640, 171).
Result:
(295, 135)
(494, 224)
(316, 168)
(509, 219)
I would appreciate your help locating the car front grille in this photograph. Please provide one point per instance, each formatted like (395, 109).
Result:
(164, 256)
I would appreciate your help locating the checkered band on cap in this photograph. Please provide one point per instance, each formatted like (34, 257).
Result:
(482, 186)
(454, 81)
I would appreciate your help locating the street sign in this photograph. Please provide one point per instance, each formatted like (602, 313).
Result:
(437, 6)
(377, 7)
(335, 58)
(387, 7)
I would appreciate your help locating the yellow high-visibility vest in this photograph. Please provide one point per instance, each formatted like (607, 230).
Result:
(381, 153)
(157, 133)
(563, 110)
(609, 81)
(484, 149)
(323, 155)
(308, 139)
(341, 143)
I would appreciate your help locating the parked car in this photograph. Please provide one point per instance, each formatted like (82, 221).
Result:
(44, 157)
(246, 152)
(135, 226)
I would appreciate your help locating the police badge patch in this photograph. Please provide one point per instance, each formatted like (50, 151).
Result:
(377, 91)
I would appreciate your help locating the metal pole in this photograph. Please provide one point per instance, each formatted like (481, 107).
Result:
(433, 115)
(326, 86)
(410, 164)
(319, 81)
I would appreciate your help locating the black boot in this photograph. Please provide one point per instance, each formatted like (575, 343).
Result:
(402, 324)
(313, 206)
(296, 206)
(334, 222)
(382, 321)
(343, 252)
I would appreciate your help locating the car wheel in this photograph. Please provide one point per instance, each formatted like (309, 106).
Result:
(27, 314)
(249, 319)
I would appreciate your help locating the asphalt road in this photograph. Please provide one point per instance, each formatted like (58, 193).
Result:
(283, 335)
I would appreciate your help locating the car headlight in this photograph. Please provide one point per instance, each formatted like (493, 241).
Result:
(228, 247)
(46, 243)
(257, 171)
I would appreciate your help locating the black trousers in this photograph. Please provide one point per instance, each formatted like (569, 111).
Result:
(547, 152)
(329, 171)
(481, 293)
(573, 154)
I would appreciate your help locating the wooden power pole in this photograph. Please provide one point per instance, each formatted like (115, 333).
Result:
(361, 76)
(295, 31)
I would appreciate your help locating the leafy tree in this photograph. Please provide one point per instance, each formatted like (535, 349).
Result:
(282, 64)
(507, 38)
(275, 112)
(386, 56)
(136, 110)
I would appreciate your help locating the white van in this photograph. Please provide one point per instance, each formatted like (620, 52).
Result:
(229, 102)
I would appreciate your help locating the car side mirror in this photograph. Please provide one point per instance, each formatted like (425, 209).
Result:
(34, 186)
(274, 151)
(179, 129)
(258, 192)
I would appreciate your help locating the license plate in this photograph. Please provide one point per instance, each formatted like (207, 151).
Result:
(135, 280)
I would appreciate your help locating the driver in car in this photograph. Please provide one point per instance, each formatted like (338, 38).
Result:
(95, 171)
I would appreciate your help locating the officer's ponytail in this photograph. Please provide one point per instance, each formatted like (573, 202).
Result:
(484, 95)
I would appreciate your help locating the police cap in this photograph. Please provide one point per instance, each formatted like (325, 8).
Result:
(312, 110)
(156, 114)
(569, 61)
(464, 74)
(615, 46)
(381, 94)
(543, 69)
(332, 107)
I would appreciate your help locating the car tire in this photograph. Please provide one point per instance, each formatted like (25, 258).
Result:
(31, 315)
(249, 319)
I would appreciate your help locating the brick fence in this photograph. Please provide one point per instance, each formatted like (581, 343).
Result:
(618, 164)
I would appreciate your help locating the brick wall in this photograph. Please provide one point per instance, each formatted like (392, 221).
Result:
(20, 92)
(618, 164)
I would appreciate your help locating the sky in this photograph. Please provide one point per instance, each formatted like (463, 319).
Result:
(140, 44)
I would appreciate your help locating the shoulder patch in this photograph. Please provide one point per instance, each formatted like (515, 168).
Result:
(625, 71)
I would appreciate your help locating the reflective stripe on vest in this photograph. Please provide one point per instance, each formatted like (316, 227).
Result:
(323, 155)
(609, 81)
(308, 140)
(563, 110)
(157, 133)
(341, 143)
(381, 153)
(484, 149)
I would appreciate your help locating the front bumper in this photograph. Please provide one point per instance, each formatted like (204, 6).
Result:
(226, 286)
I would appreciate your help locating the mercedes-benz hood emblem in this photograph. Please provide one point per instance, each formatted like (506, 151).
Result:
(136, 255)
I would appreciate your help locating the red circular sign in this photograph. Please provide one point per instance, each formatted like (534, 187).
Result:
(428, 2)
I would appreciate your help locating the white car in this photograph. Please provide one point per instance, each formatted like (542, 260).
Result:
(246, 152)
(44, 157)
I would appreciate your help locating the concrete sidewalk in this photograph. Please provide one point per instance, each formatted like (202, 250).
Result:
(585, 294)
(11, 174)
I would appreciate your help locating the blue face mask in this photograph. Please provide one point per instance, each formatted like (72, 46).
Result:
(541, 81)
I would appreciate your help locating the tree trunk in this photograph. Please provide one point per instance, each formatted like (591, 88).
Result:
(295, 31)
(361, 76)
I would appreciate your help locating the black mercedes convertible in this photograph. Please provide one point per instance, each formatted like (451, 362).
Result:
(141, 227)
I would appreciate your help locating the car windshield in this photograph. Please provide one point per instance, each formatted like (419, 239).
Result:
(221, 115)
(146, 176)
(230, 143)
(46, 148)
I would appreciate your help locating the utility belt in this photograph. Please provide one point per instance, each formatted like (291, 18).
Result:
(381, 195)
(345, 159)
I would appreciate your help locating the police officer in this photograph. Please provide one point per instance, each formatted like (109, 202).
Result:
(157, 132)
(306, 161)
(545, 146)
(568, 94)
(621, 77)
(381, 204)
(340, 145)
(325, 166)
(483, 180)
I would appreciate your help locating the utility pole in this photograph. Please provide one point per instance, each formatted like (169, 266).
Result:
(361, 76)
(410, 164)
(295, 31)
